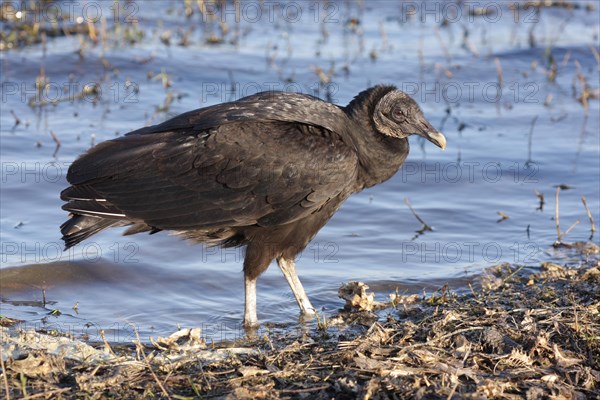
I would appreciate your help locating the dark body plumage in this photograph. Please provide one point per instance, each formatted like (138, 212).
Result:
(266, 171)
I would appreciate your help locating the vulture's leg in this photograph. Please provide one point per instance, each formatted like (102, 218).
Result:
(288, 267)
(250, 319)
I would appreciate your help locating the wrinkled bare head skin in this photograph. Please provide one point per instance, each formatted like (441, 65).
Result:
(398, 115)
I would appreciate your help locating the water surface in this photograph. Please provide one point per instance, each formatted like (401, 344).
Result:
(510, 134)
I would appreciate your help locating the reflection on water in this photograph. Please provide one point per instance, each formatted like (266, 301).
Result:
(508, 93)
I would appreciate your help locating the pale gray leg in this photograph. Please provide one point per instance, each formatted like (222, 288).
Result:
(288, 267)
(250, 319)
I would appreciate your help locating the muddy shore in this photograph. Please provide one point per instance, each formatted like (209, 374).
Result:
(516, 335)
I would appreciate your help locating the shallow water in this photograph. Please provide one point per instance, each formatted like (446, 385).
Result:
(495, 161)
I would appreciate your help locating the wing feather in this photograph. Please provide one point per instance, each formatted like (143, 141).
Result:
(220, 167)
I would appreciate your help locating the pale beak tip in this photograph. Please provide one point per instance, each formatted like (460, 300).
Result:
(439, 139)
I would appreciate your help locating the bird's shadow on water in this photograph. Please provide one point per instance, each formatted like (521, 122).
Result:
(35, 277)
(77, 290)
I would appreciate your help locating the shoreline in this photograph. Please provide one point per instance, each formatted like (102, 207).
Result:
(516, 334)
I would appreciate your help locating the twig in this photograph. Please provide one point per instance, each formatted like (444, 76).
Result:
(414, 212)
(56, 140)
(502, 216)
(5, 378)
(529, 143)
(141, 350)
(569, 229)
(565, 59)
(425, 227)
(17, 120)
(499, 72)
(442, 45)
(106, 345)
(305, 390)
(585, 92)
(46, 394)
(452, 391)
(232, 86)
(513, 274)
(559, 235)
(421, 60)
(556, 216)
(596, 55)
(468, 44)
(540, 197)
(58, 144)
(584, 201)
(384, 36)
(593, 229)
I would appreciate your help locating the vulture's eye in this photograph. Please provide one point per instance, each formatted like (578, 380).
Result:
(399, 114)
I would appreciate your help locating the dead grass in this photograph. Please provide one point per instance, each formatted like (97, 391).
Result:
(518, 335)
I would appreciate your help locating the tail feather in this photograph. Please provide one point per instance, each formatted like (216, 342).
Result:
(80, 227)
(90, 214)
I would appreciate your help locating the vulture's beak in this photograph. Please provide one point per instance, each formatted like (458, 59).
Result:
(430, 133)
(436, 138)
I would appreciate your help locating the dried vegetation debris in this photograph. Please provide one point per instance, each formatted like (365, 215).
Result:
(357, 298)
(519, 335)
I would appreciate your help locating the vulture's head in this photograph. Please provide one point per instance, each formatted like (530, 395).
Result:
(397, 115)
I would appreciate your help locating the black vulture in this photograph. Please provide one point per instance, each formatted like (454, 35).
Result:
(266, 171)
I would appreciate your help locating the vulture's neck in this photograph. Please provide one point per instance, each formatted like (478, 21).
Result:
(380, 156)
